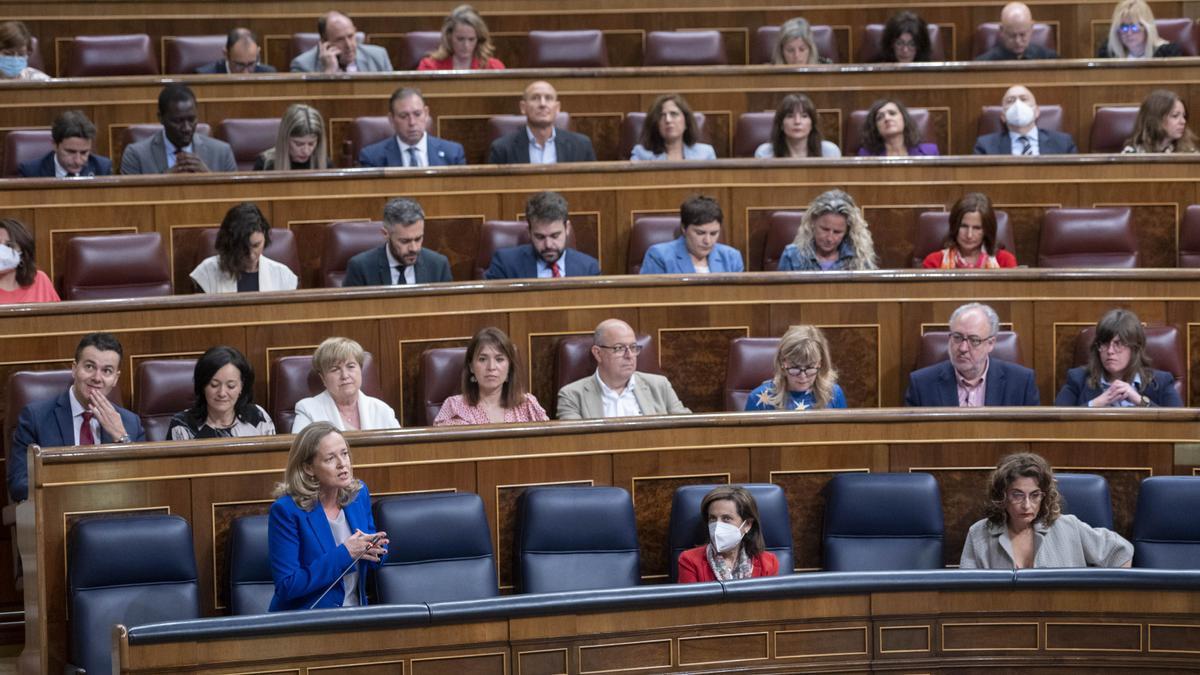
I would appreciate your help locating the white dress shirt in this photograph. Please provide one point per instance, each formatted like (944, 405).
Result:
(619, 405)
(422, 147)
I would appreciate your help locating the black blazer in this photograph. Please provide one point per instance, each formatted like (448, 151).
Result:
(514, 148)
(1161, 390)
(370, 268)
(1162, 51)
(937, 385)
(44, 167)
(1049, 143)
(219, 67)
(1000, 53)
(520, 262)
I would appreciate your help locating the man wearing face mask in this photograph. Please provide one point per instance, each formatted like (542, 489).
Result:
(736, 548)
(1021, 136)
(73, 135)
(546, 256)
(177, 148)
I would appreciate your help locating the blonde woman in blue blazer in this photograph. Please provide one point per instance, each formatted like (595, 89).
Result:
(697, 251)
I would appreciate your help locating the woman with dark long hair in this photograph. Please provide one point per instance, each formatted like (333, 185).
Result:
(224, 406)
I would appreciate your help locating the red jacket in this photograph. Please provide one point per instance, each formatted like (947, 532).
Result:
(447, 63)
(693, 566)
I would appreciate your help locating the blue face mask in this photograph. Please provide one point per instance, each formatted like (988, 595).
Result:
(11, 66)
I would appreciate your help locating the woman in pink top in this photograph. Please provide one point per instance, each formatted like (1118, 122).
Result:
(492, 391)
(20, 279)
(466, 44)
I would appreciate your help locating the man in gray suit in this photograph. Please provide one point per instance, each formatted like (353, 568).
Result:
(402, 259)
(1020, 134)
(339, 52)
(177, 148)
(616, 389)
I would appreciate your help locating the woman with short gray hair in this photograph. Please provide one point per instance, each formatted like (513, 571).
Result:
(338, 361)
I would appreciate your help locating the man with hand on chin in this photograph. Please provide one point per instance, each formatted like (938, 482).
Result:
(1021, 135)
(82, 415)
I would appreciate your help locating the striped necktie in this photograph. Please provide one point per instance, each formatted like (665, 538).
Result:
(1026, 146)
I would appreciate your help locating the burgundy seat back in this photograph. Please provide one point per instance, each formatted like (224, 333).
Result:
(1189, 237)
(1182, 32)
(1164, 347)
(932, 227)
(440, 378)
(503, 125)
(573, 358)
(35, 55)
(498, 234)
(781, 231)
(116, 266)
(1112, 126)
(24, 145)
(111, 55)
(631, 132)
(872, 43)
(566, 49)
(293, 378)
(933, 348)
(763, 47)
(186, 53)
(417, 45)
(685, 48)
(302, 42)
(282, 248)
(164, 387)
(1101, 237)
(987, 34)
(753, 129)
(248, 137)
(343, 241)
(991, 120)
(751, 360)
(648, 231)
(920, 117)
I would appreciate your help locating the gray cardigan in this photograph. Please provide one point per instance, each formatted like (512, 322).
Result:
(1069, 542)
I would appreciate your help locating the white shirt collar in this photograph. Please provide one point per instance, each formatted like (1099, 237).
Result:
(420, 145)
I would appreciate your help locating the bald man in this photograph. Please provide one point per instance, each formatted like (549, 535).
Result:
(616, 389)
(540, 142)
(1021, 134)
(338, 50)
(1016, 34)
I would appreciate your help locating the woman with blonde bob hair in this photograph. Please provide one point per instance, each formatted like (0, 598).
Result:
(833, 235)
(320, 556)
(1133, 34)
(1024, 525)
(338, 361)
(300, 143)
(805, 378)
(1161, 126)
(796, 45)
(466, 44)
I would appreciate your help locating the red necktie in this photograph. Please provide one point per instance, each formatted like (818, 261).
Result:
(85, 430)
(554, 271)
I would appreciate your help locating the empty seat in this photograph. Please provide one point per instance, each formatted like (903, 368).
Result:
(1111, 127)
(688, 528)
(302, 42)
(934, 345)
(1166, 531)
(111, 55)
(853, 130)
(451, 560)
(130, 570)
(1100, 237)
(365, 131)
(883, 521)
(439, 379)
(248, 137)
(495, 235)
(417, 45)
(753, 129)
(1189, 237)
(1085, 496)
(282, 248)
(575, 539)
(991, 120)
(781, 231)
(164, 387)
(566, 49)
(503, 125)
(932, 226)
(631, 132)
(763, 47)
(292, 378)
(251, 585)
(343, 241)
(116, 266)
(986, 35)
(1164, 347)
(25, 145)
(186, 53)
(871, 49)
(573, 358)
(648, 231)
(685, 48)
(1182, 32)
(751, 360)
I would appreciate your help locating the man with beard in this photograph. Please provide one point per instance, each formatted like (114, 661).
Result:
(401, 259)
(547, 255)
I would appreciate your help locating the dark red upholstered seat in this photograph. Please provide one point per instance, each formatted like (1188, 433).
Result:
(751, 360)
(762, 48)
(685, 48)
(302, 42)
(1164, 346)
(781, 231)
(343, 241)
(503, 125)
(249, 137)
(1112, 126)
(648, 231)
(116, 266)
(932, 226)
(440, 378)
(1189, 237)
(111, 55)
(753, 129)
(1100, 237)
(566, 49)
(417, 45)
(23, 145)
(186, 53)
(163, 387)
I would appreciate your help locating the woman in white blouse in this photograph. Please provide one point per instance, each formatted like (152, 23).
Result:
(339, 363)
(240, 265)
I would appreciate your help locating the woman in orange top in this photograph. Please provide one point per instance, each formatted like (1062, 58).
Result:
(20, 279)
(971, 242)
(735, 548)
(466, 44)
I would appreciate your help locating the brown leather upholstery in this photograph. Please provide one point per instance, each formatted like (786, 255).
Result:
(781, 231)
(986, 35)
(140, 132)
(186, 53)
(872, 43)
(343, 241)
(685, 48)
(648, 231)
(417, 45)
(111, 55)
(763, 47)
(23, 145)
(248, 137)
(282, 249)
(853, 131)
(753, 129)
(931, 228)
(366, 131)
(1112, 126)
(934, 344)
(631, 132)
(566, 49)
(302, 42)
(991, 120)
(1164, 347)
(751, 360)
(292, 378)
(441, 375)
(1189, 237)
(503, 125)
(116, 266)
(1101, 237)
(1182, 32)
(164, 387)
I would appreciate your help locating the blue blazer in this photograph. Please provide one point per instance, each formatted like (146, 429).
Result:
(1161, 391)
(672, 257)
(304, 560)
(387, 153)
(44, 167)
(49, 424)
(520, 262)
(1007, 384)
(1049, 143)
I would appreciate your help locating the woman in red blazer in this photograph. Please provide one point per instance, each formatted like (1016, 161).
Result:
(735, 548)
(971, 242)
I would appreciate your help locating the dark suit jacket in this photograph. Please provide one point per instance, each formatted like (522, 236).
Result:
(1049, 143)
(1000, 53)
(44, 167)
(1007, 384)
(520, 262)
(1161, 391)
(370, 268)
(219, 67)
(387, 153)
(514, 148)
(49, 424)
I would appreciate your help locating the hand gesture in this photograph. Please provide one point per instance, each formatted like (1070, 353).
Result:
(327, 56)
(365, 546)
(1125, 391)
(106, 414)
(187, 162)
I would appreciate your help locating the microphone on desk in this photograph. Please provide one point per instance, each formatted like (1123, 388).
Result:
(346, 571)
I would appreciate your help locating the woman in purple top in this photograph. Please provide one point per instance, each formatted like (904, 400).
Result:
(889, 131)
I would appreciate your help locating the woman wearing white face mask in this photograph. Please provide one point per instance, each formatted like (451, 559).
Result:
(14, 53)
(735, 548)
(20, 279)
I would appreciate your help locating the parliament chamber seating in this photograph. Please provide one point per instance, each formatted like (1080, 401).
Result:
(987, 34)
(929, 234)
(127, 570)
(688, 528)
(753, 129)
(451, 561)
(366, 131)
(854, 128)
(111, 55)
(164, 387)
(1112, 126)
(503, 125)
(1166, 531)
(495, 235)
(781, 231)
(251, 585)
(343, 241)
(417, 45)
(140, 132)
(302, 42)
(116, 266)
(1085, 496)
(24, 145)
(248, 137)
(751, 360)
(648, 231)
(282, 249)
(566, 49)
(35, 56)
(1189, 237)
(991, 120)
(439, 379)
(185, 53)
(1165, 348)
(934, 344)
(573, 358)
(685, 48)
(765, 37)
(871, 49)
(1182, 32)
(292, 378)
(1097, 237)
(631, 133)
(575, 539)
(882, 521)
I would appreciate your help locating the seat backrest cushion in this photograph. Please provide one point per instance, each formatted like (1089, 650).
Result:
(1086, 496)
(251, 585)
(164, 387)
(887, 521)
(116, 266)
(751, 360)
(554, 553)
(1166, 531)
(440, 378)
(688, 529)
(566, 49)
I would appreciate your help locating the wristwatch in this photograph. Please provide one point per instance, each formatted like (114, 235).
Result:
(125, 439)
(1145, 402)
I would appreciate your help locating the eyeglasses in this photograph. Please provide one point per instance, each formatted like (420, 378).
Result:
(904, 44)
(1130, 28)
(807, 371)
(973, 340)
(1113, 345)
(1018, 497)
(621, 350)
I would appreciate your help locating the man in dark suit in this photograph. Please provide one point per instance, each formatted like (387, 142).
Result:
(540, 142)
(411, 146)
(82, 415)
(73, 135)
(241, 56)
(970, 378)
(547, 255)
(1016, 33)
(1020, 134)
(177, 148)
(401, 259)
